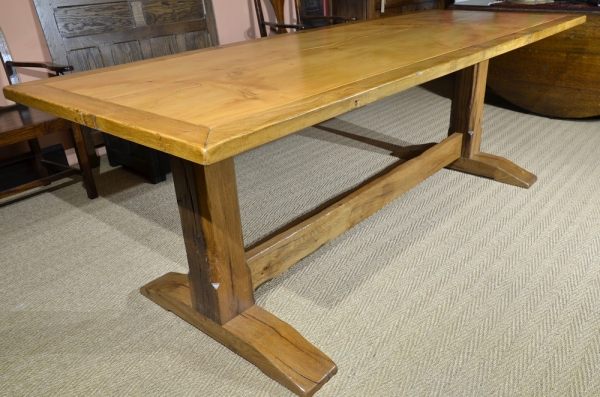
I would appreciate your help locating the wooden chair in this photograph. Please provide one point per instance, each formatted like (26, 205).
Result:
(309, 14)
(91, 34)
(20, 123)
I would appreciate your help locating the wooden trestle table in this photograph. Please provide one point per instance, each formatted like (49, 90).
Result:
(204, 107)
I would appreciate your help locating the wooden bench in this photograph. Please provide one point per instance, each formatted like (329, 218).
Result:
(256, 92)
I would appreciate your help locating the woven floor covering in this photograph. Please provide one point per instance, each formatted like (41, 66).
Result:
(461, 287)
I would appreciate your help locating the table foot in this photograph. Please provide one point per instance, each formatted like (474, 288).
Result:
(272, 345)
(495, 167)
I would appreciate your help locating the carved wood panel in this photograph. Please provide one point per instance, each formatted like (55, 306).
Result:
(90, 34)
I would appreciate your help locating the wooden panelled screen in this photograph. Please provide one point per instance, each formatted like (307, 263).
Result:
(90, 34)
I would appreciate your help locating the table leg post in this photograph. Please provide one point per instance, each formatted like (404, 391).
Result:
(217, 295)
(466, 118)
(220, 281)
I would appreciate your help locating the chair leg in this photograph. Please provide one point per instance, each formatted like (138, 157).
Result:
(34, 146)
(84, 163)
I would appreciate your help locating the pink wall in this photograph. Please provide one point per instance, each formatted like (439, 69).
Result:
(24, 36)
(236, 19)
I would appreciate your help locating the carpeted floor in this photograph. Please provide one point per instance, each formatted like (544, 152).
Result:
(462, 287)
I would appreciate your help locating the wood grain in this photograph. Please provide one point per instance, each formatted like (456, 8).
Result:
(552, 100)
(466, 113)
(495, 167)
(86, 59)
(466, 118)
(556, 77)
(279, 253)
(78, 31)
(165, 45)
(208, 207)
(545, 78)
(197, 40)
(94, 19)
(139, 33)
(125, 52)
(14, 130)
(272, 345)
(239, 86)
(157, 12)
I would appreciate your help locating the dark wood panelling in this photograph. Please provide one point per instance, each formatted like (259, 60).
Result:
(367, 9)
(86, 59)
(158, 12)
(146, 48)
(165, 45)
(139, 33)
(197, 40)
(126, 52)
(107, 55)
(352, 8)
(75, 3)
(95, 19)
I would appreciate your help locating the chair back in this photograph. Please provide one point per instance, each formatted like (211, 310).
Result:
(279, 12)
(309, 14)
(11, 73)
(90, 34)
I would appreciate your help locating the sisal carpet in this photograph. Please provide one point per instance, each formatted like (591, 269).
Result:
(462, 287)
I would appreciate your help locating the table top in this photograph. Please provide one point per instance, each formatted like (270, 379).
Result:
(209, 105)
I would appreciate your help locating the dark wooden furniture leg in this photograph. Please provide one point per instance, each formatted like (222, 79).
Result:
(217, 295)
(84, 162)
(34, 146)
(465, 118)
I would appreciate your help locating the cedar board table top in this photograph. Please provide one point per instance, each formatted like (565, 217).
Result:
(209, 105)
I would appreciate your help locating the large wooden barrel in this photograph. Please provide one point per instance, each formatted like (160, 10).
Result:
(556, 77)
